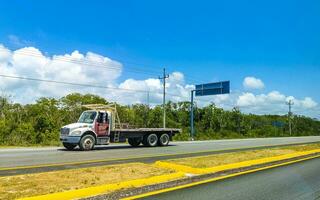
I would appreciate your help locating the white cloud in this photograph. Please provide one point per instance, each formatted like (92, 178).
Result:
(5, 54)
(274, 103)
(308, 103)
(276, 96)
(89, 68)
(253, 83)
(247, 99)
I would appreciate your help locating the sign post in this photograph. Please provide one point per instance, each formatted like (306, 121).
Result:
(205, 90)
(191, 115)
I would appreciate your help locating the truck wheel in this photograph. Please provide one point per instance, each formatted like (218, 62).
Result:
(134, 141)
(69, 146)
(87, 142)
(164, 140)
(150, 140)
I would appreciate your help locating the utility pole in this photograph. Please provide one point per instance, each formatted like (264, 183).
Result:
(164, 77)
(290, 103)
(148, 99)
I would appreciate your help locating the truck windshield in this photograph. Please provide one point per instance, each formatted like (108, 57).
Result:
(87, 117)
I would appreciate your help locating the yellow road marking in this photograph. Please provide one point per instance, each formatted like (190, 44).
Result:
(216, 179)
(146, 156)
(96, 190)
(230, 166)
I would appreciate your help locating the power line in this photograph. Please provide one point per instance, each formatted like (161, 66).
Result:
(79, 84)
(27, 52)
(195, 79)
(89, 63)
(84, 62)
(68, 83)
(122, 61)
(98, 86)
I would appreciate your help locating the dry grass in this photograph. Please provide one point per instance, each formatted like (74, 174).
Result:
(13, 187)
(227, 158)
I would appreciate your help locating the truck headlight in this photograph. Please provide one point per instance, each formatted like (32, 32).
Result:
(76, 133)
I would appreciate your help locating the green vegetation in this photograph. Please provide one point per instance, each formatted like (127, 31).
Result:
(39, 123)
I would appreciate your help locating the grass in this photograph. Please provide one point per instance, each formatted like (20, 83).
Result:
(228, 158)
(13, 187)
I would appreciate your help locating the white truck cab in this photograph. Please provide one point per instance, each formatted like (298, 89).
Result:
(93, 123)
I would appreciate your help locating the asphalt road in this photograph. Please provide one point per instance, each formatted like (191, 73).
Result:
(51, 155)
(296, 181)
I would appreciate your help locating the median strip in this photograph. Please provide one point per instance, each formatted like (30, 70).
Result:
(188, 169)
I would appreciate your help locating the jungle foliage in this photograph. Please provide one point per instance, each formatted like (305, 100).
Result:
(39, 123)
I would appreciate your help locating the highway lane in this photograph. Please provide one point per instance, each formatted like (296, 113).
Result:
(51, 155)
(296, 181)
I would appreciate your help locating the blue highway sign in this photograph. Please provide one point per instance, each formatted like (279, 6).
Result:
(213, 88)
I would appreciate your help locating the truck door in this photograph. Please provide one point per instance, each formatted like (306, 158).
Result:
(101, 125)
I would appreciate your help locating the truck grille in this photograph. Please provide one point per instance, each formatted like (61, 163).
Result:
(65, 131)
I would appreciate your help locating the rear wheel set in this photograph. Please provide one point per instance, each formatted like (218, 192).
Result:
(164, 140)
(153, 140)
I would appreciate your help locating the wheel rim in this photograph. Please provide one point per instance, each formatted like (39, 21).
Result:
(153, 140)
(164, 139)
(88, 143)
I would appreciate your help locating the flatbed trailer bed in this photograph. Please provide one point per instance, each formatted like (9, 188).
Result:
(120, 135)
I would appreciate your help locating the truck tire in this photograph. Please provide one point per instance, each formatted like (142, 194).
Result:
(87, 142)
(69, 146)
(134, 141)
(150, 140)
(164, 140)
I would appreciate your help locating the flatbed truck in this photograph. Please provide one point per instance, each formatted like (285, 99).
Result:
(100, 125)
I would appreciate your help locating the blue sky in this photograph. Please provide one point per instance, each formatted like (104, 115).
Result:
(275, 41)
